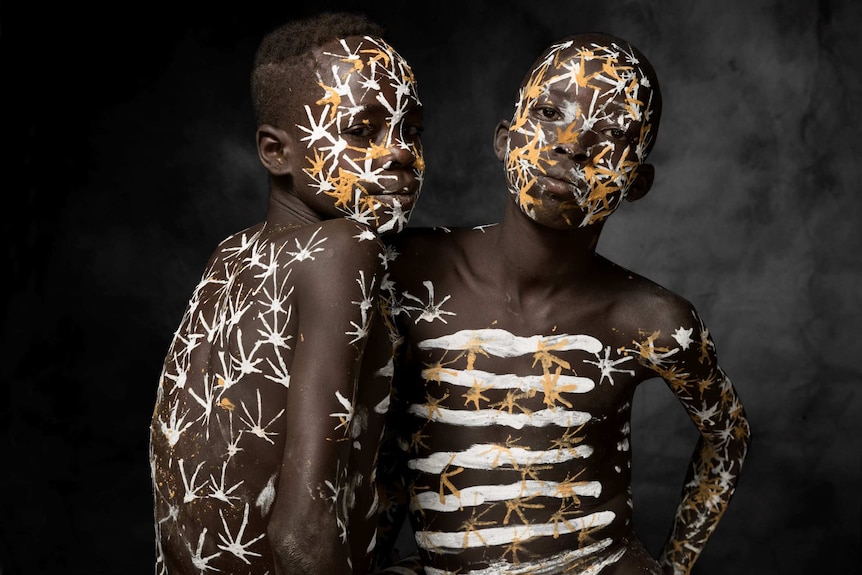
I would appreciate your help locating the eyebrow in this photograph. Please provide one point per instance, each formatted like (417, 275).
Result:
(609, 107)
(376, 106)
(614, 108)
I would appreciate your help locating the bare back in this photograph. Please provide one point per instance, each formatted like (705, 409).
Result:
(250, 367)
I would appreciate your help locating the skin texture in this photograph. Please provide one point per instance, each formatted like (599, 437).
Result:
(521, 349)
(262, 439)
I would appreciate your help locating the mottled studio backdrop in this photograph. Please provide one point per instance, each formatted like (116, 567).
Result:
(129, 154)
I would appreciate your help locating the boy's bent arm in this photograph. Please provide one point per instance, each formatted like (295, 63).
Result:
(686, 360)
(335, 291)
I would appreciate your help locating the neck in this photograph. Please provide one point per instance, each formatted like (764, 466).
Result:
(533, 253)
(285, 209)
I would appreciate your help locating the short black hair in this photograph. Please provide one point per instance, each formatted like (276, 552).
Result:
(285, 58)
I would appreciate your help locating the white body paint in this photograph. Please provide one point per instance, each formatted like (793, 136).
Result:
(471, 377)
(486, 417)
(502, 535)
(492, 456)
(480, 494)
(547, 566)
(501, 343)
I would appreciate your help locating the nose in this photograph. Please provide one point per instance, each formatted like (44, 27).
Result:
(399, 155)
(577, 146)
(574, 150)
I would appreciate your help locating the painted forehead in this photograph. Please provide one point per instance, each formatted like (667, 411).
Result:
(356, 67)
(609, 71)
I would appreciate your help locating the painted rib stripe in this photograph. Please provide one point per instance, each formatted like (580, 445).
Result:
(490, 456)
(501, 343)
(473, 496)
(486, 417)
(547, 566)
(446, 540)
(473, 377)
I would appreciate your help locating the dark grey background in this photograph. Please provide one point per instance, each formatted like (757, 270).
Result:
(129, 154)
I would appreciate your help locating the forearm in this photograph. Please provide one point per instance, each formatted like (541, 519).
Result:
(393, 500)
(308, 556)
(308, 528)
(389, 528)
(708, 489)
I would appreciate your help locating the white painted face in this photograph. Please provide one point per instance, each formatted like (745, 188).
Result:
(363, 145)
(579, 133)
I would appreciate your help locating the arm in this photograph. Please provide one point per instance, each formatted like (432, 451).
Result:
(391, 460)
(394, 505)
(309, 523)
(391, 468)
(684, 357)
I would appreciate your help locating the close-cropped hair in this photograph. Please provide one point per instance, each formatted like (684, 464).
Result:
(286, 59)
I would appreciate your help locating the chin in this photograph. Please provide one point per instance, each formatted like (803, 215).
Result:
(393, 225)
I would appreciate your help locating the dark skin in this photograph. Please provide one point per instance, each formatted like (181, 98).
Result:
(263, 438)
(523, 348)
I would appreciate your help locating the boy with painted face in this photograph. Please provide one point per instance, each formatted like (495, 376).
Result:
(263, 443)
(522, 347)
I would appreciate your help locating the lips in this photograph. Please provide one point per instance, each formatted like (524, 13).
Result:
(405, 185)
(404, 201)
(557, 186)
(403, 197)
(408, 190)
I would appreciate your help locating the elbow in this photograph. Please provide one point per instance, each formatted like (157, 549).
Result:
(299, 550)
(291, 560)
(744, 437)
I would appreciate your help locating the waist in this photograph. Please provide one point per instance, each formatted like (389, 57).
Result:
(542, 527)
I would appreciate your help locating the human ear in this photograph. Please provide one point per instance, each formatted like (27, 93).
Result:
(501, 139)
(642, 183)
(275, 150)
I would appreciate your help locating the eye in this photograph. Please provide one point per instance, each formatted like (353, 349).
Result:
(615, 133)
(362, 131)
(413, 130)
(412, 124)
(547, 113)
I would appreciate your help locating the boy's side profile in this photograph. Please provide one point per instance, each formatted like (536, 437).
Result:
(262, 445)
(522, 348)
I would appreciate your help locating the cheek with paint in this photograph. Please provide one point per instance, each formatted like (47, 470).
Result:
(330, 163)
(607, 176)
(599, 184)
(334, 177)
(524, 152)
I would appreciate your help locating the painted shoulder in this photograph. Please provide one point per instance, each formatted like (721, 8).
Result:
(650, 306)
(336, 244)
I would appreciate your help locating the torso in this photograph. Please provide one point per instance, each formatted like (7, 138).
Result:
(517, 433)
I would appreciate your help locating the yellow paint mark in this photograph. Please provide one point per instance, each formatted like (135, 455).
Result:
(332, 97)
(475, 393)
(444, 481)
